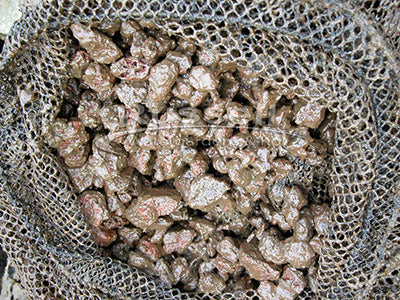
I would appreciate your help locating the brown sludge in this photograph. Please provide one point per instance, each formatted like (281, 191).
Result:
(177, 175)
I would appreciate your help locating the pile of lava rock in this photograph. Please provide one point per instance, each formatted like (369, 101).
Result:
(181, 162)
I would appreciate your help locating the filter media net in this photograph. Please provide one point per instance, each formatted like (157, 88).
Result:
(340, 56)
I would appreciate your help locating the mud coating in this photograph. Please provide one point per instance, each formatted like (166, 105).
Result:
(184, 162)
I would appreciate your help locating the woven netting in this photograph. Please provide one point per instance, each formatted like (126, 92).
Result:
(341, 55)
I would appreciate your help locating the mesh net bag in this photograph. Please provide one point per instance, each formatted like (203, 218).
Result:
(342, 55)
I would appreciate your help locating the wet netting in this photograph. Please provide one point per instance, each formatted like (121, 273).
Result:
(341, 55)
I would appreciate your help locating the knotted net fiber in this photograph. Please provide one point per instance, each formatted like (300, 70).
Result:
(342, 55)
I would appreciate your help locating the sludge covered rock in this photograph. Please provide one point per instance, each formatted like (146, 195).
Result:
(194, 189)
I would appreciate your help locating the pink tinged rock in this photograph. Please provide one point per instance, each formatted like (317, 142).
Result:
(94, 207)
(151, 250)
(161, 79)
(151, 204)
(131, 93)
(114, 222)
(206, 191)
(163, 269)
(270, 247)
(298, 253)
(139, 260)
(130, 68)
(99, 79)
(79, 63)
(183, 61)
(267, 290)
(82, 178)
(179, 267)
(256, 266)
(310, 115)
(211, 283)
(130, 235)
(292, 282)
(202, 226)
(203, 79)
(223, 265)
(178, 241)
(99, 46)
(228, 249)
(104, 237)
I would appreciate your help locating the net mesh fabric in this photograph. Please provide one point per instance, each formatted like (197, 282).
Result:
(342, 56)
